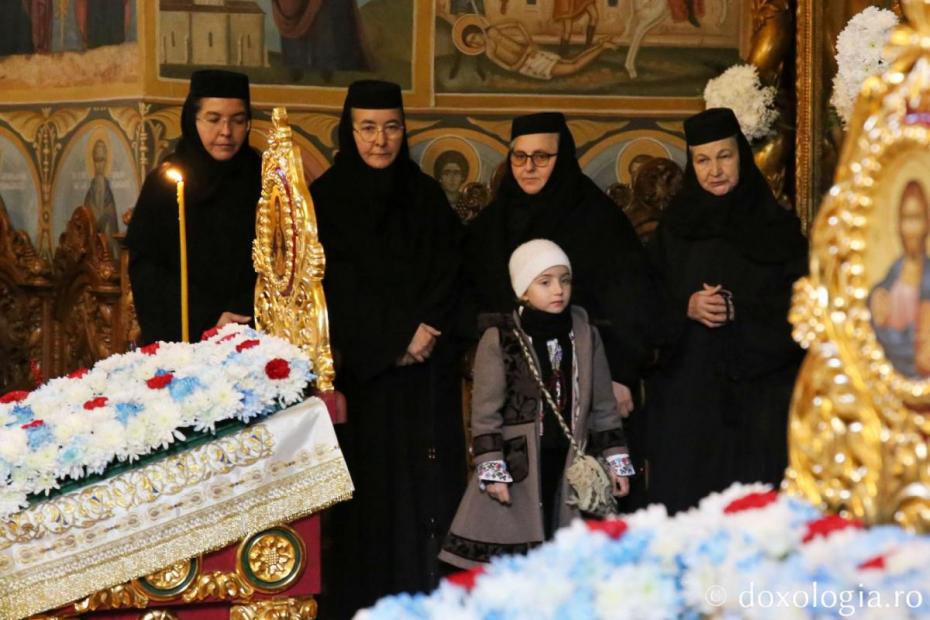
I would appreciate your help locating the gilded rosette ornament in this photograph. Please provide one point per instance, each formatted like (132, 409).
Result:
(860, 416)
(288, 257)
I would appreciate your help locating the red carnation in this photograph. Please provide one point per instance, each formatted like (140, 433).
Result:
(226, 338)
(95, 403)
(827, 525)
(278, 369)
(614, 528)
(160, 381)
(466, 578)
(77, 374)
(150, 349)
(751, 502)
(210, 333)
(33, 424)
(246, 344)
(13, 397)
(876, 563)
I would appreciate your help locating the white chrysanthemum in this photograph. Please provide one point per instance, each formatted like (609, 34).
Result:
(859, 50)
(11, 500)
(13, 445)
(641, 592)
(740, 89)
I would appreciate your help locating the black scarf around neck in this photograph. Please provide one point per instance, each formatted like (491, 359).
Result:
(523, 211)
(748, 217)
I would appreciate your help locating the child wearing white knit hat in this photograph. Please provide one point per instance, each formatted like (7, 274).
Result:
(519, 495)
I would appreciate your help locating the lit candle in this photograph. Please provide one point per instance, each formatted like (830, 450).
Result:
(175, 175)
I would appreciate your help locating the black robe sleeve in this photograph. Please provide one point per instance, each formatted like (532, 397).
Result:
(624, 294)
(442, 287)
(154, 275)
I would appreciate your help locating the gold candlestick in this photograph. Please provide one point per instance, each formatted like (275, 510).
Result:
(175, 175)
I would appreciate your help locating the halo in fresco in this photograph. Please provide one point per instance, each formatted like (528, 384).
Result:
(96, 169)
(609, 161)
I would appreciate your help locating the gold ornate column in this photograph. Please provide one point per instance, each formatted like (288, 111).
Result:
(859, 417)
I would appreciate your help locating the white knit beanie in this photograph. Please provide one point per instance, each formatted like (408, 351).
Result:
(531, 259)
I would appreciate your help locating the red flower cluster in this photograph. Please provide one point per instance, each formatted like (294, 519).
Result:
(246, 344)
(466, 578)
(33, 424)
(210, 333)
(278, 369)
(827, 525)
(876, 563)
(150, 349)
(753, 501)
(95, 403)
(226, 338)
(13, 397)
(77, 374)
(614, 528)
(159, 382)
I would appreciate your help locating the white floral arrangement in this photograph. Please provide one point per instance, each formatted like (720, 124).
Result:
(740, 89)
(859, 56)
(132, 404)
(747, 552)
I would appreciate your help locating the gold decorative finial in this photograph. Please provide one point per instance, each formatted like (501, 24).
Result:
(288, 257)
(860, 415)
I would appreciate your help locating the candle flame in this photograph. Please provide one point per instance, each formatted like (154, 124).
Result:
(174, 174)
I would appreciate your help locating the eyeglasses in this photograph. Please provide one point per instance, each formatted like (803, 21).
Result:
(369, 133)
(540, 158)
(216, 122)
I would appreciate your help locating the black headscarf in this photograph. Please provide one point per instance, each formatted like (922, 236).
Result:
(523, 210)
(380, 187)
(220, 201)
(392, 245)
(749, 216)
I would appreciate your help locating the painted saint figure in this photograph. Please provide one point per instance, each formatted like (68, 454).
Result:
(321, 35)
(451, 170)
(900, 303)
(99, 197)
(509, 45)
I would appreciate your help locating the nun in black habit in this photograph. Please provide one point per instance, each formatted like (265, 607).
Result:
(610, 276)
(392, 275)
(222, 184)
(726, 255)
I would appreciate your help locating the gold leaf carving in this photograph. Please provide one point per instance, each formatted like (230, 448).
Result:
(323, 126)
(218, 585)
(158, 614)
(586, 131)
(281, 609)
(118, 597)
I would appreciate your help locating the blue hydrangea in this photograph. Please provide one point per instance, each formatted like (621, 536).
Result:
(71, 453)
(182, 388)
(125, 411)
(38, 436)
(22, 414)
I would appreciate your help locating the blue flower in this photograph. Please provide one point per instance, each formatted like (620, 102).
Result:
(38, 436)
(22, 414)
(125, 411)
(70, 454)
(182, 388)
